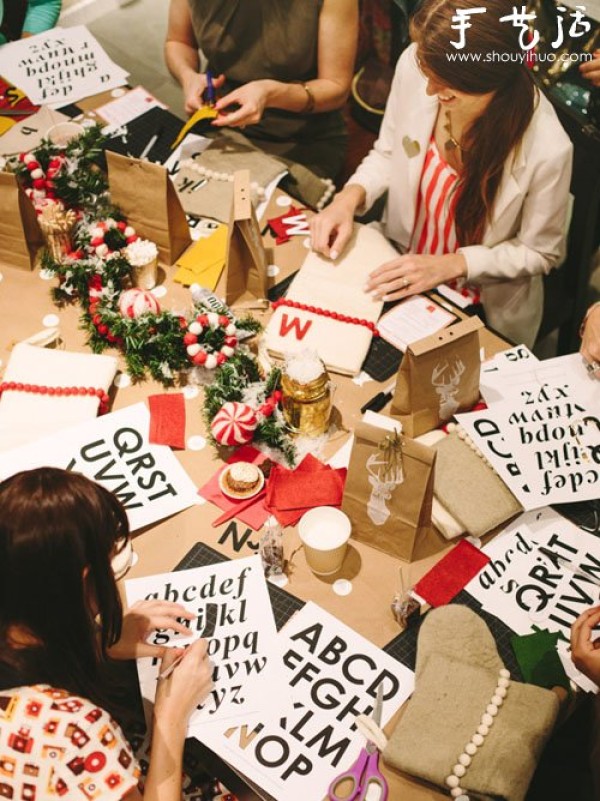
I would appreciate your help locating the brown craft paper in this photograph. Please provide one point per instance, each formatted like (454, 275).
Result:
(20, 234)
(144, 193)
(438, 377)
(246, 265)
(407, 532)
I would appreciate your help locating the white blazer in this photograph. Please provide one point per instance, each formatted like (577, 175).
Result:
(526, 235)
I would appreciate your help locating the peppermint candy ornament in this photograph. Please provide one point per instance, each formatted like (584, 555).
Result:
(135, 302)
(234, 424)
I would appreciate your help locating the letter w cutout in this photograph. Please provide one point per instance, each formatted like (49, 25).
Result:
(300, 330)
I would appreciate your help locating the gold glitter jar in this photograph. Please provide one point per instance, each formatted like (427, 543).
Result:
(307, 406)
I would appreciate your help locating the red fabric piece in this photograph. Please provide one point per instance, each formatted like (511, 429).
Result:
(291, 493)
(167, 420)
(284, 227)
(451, 574)
(253, 516)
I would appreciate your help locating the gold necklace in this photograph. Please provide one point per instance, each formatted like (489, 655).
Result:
(452, 142)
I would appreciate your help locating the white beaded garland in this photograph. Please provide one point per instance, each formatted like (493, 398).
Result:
(477, 740)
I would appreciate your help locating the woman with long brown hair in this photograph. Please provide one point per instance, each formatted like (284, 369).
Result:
(475, 164)
(61, 620)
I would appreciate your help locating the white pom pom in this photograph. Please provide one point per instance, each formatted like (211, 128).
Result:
(37, 173)
(97, 233)
(129, 231)
(213, 319)
(28, 157)
(227, 351)
(102, 250)
(231, 330)
(195, 328)
(211, 361)
(192, 350)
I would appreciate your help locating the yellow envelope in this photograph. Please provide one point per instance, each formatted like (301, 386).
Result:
(203, 262)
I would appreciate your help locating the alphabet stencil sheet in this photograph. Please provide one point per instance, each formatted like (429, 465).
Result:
(529, 588)
(114, 451)
(233, 612)
(333, 674)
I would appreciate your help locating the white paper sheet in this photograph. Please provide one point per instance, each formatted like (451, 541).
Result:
(234, 614)
(528, 589)
(334, 674)
(413, 319)
(126, 108)
(60, 66)
(114, 451)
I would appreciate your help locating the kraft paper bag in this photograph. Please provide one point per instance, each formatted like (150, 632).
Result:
(389, 492)
(20, 234)
(144, 193)
(246, 265)
(438, 377)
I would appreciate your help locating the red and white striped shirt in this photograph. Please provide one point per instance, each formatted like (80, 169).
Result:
(434, 232)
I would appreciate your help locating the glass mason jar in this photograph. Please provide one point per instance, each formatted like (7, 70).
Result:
(307, 407)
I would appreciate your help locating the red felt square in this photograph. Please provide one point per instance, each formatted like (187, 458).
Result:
(290, 493)
(451, 574)
(167, 420)
(253, 516)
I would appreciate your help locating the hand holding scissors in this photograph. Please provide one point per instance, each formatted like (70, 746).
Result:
(368, 783)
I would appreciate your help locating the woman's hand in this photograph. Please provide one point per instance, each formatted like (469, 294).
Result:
(252, 99)
(194, 85)
(412, 274)
(188, 685)
(585, 653)
(590, 343)
(140, 620)
(591, 69)
(331, 230)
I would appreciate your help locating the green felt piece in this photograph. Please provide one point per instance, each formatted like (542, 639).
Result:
(538, 659)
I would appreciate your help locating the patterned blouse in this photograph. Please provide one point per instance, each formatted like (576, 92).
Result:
(57, 745)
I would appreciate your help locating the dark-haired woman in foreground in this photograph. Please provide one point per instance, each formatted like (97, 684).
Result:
(476, 167)
(60, 619)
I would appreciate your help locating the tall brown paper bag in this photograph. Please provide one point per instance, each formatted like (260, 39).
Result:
(391, 515)
(144, 193)
(246, 266)
(438, 377)
(20, 234)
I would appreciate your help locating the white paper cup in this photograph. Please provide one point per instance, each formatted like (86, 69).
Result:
(63, 132)
(325, 532)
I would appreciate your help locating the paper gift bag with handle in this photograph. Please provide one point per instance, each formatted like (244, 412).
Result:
(20, 234)
(246, 266)
(389, 492)
(438, 377)
(144, 193)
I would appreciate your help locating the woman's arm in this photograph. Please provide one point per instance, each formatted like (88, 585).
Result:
(539, 244)
(176, 698)
(181, 56)
(338, 33)
(41, 16)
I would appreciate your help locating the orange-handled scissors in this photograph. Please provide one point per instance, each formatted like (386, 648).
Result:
(366, 780)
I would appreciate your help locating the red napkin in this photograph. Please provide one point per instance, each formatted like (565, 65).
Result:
(253, 516)
(290, 493)
(451, 574)
(167, 420)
